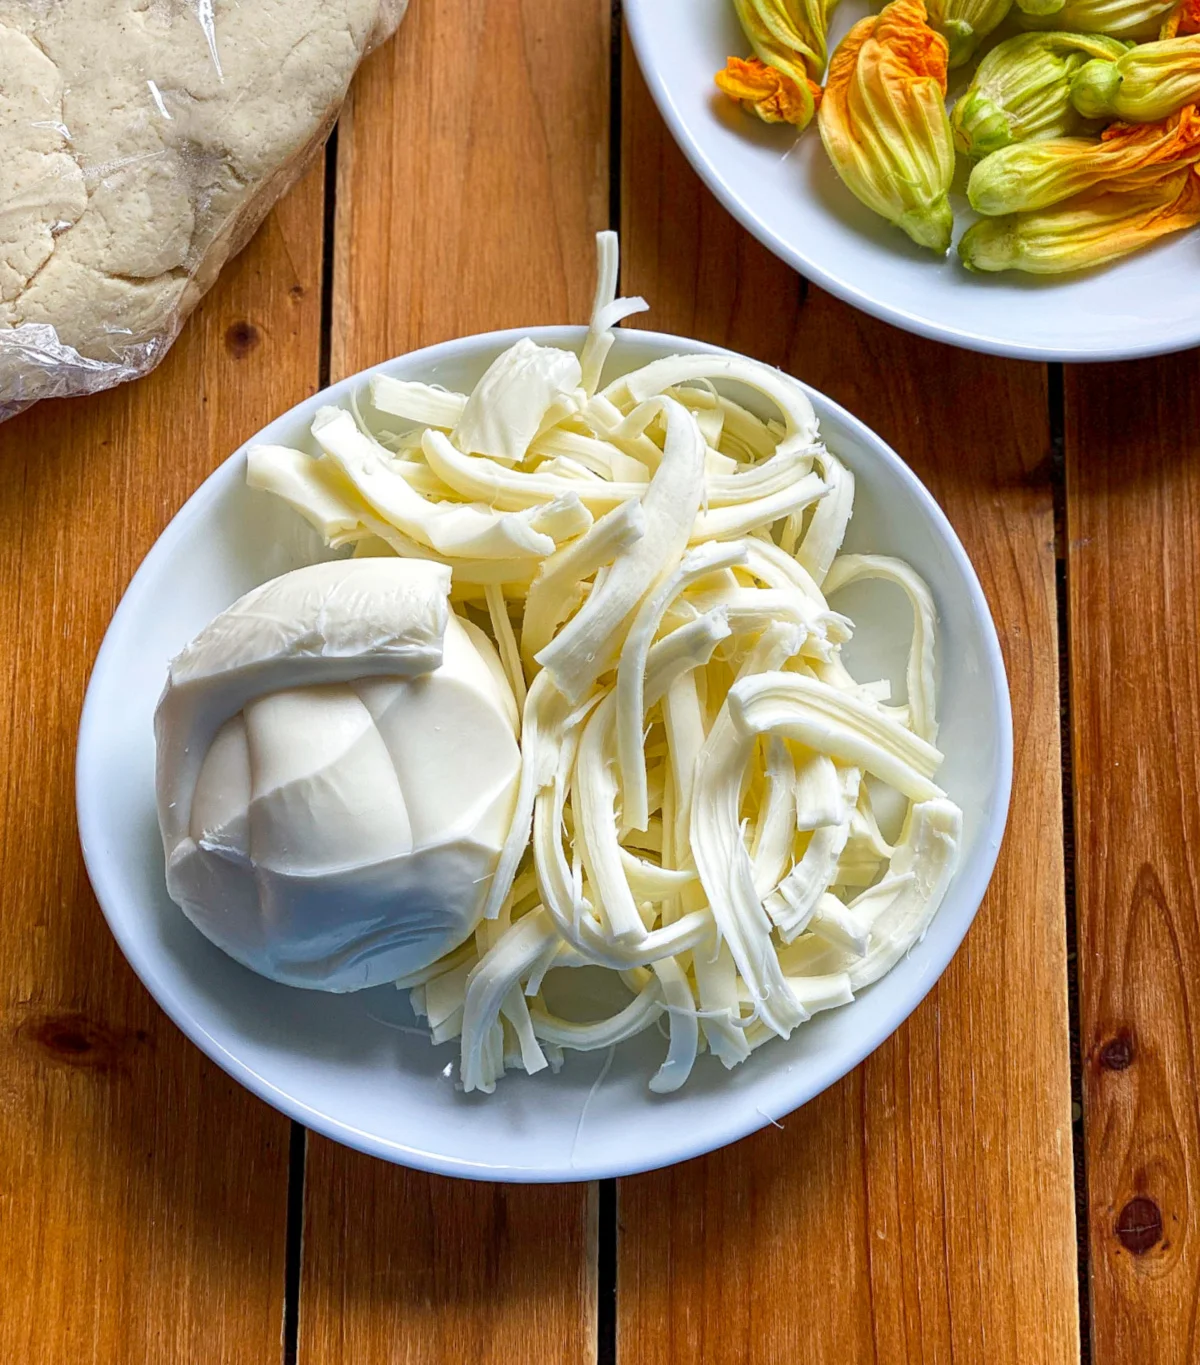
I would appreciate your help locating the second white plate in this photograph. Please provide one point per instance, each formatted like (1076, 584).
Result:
(782, 188)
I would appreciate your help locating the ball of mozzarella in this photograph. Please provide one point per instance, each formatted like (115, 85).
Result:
(338, 766)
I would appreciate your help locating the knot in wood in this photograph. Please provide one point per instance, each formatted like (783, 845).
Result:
(241, 338)
(1117, 1053)
(74, 1039)
(1139, 1225)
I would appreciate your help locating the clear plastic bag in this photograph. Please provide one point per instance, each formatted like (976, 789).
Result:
(142, 142)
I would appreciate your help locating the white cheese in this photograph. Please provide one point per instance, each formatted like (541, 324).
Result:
(337, 773)
(525, 388)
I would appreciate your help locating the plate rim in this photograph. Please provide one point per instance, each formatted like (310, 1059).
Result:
(815, 1080)
(634, 12)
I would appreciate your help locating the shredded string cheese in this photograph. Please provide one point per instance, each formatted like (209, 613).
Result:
(653, 560)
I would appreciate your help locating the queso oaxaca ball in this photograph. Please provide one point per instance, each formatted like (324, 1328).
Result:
(337, 770)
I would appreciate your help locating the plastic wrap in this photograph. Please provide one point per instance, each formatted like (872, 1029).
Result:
(142, 142)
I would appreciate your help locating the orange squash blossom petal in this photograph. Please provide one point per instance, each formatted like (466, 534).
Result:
(768, 92)
(1184, 20)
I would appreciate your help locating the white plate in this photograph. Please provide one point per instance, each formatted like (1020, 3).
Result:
(784, 190)
(353, 1066)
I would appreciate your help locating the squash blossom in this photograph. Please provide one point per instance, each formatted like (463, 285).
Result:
(1034, 175)
(768, 93)
(1023, 89)
(1144, 85)
(788, 37)
(965, 23)
(884, 124)
(1117, 18)
(1091, 229)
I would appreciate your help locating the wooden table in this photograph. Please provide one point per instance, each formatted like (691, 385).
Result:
(1019, 1159)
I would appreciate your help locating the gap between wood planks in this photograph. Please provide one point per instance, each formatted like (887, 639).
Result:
(298, 1141)
(1055, 394)
(294, 1252)
(606, 1241)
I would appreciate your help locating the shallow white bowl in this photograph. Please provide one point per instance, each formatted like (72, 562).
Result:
(783, 189)
(354, 1067)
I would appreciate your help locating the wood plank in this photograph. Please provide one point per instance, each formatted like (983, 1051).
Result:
(472, 173)
(1133, 508)
(142, 1192)
(922, 1209)
(405, 1267)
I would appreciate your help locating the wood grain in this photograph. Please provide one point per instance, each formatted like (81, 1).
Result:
(472, 174)
(1133, 484)
(142, 1192)
(921, 1210)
